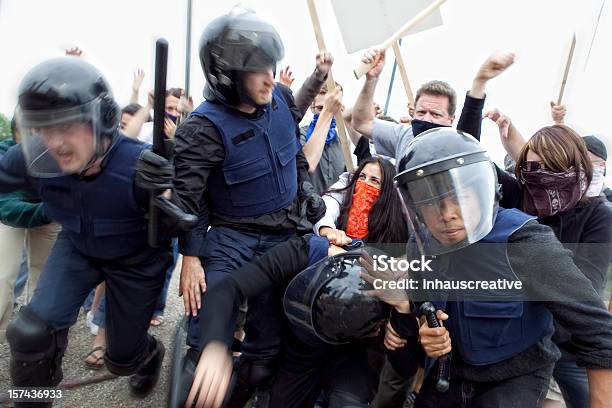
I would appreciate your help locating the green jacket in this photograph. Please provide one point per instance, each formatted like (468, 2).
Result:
(20, 209)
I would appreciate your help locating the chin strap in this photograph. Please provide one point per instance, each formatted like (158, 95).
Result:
(99, 154)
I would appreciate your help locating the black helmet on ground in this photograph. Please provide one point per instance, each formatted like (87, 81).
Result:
(325, 301)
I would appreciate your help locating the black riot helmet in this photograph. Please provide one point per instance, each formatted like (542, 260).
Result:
(57, 95)
(449, 190)
(326, 301)
(233, 44)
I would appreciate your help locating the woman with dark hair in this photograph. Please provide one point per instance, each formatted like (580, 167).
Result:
(364, 205)
(553, 172)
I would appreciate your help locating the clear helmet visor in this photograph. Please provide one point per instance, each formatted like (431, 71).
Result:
(452, 209)
(60, 141)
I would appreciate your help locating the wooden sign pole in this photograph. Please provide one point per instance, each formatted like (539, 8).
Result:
(403, 73)
(567, 68)
(363, 67)
(331, 86)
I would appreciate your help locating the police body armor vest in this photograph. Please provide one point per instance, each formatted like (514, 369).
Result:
(100, 215)
(489, 326)
(259, 174)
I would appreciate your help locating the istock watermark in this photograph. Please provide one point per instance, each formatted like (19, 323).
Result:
(385, 263)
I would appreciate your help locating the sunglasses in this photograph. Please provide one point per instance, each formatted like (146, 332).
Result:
(532, 166)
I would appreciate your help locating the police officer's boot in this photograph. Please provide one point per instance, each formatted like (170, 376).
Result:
(146, 376)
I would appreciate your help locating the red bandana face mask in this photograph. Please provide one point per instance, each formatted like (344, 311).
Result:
(364, 197)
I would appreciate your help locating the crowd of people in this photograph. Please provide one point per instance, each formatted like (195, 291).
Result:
(276, 239)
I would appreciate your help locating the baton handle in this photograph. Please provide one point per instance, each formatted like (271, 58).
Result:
(443, 377)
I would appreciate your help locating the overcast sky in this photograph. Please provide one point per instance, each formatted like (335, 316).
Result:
(118, 37)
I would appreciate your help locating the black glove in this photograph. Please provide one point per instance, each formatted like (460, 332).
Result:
(311, 202)
(154, 172)
(174, 221)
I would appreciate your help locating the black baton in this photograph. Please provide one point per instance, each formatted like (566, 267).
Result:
(159, 111)
(443, 379)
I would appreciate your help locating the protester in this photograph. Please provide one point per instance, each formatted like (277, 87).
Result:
(320, 141)
(435, 106)
(553, 174)
(24, 228)
(364, 205)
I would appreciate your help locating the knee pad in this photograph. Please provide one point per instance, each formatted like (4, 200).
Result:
(258, 373)
(36, 350)
(249, 376)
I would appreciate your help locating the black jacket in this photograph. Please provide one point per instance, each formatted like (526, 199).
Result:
(546, 269)
(586, 230)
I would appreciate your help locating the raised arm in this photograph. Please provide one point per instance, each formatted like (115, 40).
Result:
(363, 114)
(136, 83)
(313, 148)
(313, 84)
(471, 114)
(133, 127)
(510, 137)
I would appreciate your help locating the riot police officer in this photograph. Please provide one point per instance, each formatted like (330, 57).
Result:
(239, 166)
(500, 336)
(84, 171)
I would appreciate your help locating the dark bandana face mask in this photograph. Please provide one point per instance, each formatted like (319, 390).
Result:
(420, 126)
(547, 193)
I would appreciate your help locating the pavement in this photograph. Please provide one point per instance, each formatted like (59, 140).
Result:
(115, 392)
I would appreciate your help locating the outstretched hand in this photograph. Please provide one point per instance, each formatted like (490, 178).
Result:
(212, 377)
(501, 120)
(377, 57)
(497, 63)
(137, 81)
(74, 51)
(286, 76)
(325, 60)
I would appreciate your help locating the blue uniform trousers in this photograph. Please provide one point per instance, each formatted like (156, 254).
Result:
(133, 286)
(225, 250)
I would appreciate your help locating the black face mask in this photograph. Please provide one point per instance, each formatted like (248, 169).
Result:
(420, 126)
